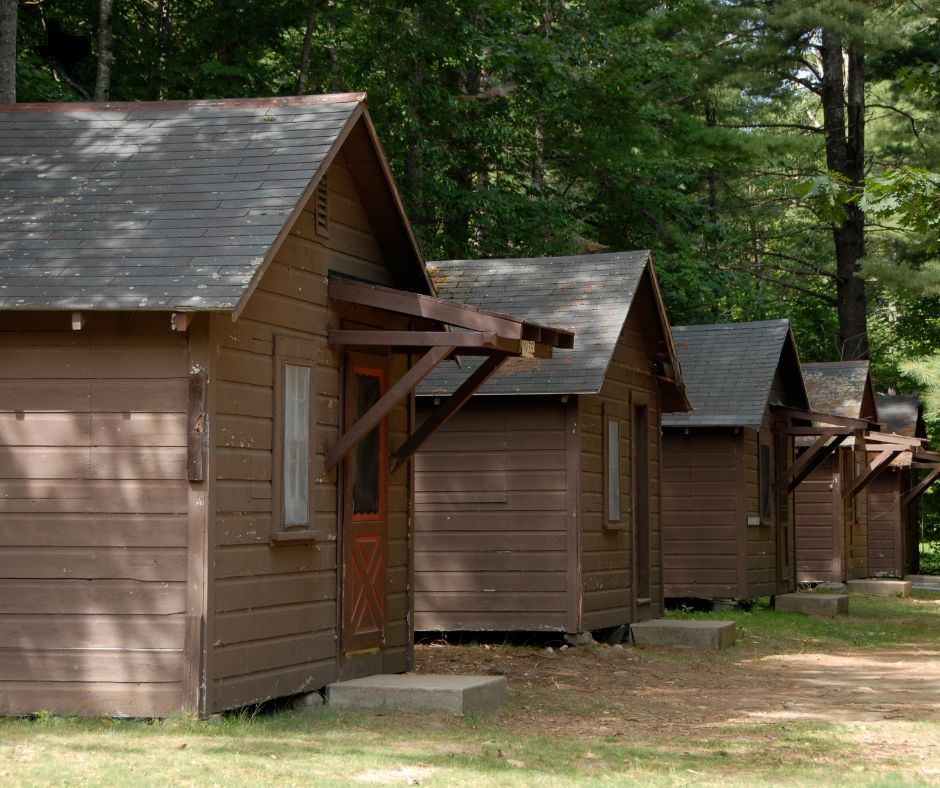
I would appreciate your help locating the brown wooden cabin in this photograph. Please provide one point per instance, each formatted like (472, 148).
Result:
(207, 314)
(727, 530)
(831, 523)
(537, 507)
(893, 522)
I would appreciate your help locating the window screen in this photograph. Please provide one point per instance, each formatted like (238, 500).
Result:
(296, 444)
(612, 452)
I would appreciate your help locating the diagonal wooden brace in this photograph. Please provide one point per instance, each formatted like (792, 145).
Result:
(911, 494)
(875, 467)
(811, 459)
(445, 410)
(372, 417)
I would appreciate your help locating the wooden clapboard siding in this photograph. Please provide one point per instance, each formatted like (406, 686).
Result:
(886, 529)
(274, 627)
(93, 517)
(702, 505)
(490, 518)
(820, 541)
(608, 596)
(761, 541)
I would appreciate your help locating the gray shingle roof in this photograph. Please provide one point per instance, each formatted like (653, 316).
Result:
(901, 415)
(152, 206)
(837, 387)
(728, 370)
(588, 294)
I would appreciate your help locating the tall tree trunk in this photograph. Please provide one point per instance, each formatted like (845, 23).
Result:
(845, 154)
(304, 77)
(164, 31)
(8, 51)
(711, 119)
(105, 50)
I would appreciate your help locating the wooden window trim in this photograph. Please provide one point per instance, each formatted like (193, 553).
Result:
(302, 353)
(362, 367)
(784, 458)
(607, 420)
(765, 503)
(641, 505)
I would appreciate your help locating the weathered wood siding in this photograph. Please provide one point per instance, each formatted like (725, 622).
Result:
(274, 628)
(490, 518)
(93, 515)
(820, 542)
(886, 531)
(607, 555)
(703, 512)
(761, 577)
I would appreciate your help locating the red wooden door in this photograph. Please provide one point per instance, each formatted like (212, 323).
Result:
(365, 528)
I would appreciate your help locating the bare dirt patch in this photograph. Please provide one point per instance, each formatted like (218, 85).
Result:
(590, 691)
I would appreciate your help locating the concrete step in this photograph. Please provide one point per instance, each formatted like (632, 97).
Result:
(411, 692)
(685, 633)
(812, 604)
(924, 582)
(880, 586)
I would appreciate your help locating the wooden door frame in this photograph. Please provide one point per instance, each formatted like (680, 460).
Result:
(640, 399)
(352, 361)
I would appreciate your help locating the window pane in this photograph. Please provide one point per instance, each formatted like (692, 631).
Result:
(613, 470)
(296, 444)
(367, 464)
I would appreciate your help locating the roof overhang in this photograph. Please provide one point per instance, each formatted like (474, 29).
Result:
(469, 331)
(667, 369)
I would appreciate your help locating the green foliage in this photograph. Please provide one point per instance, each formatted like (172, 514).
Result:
(532, 127)
(911, 196)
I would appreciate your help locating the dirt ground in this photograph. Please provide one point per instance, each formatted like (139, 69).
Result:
(628, 691)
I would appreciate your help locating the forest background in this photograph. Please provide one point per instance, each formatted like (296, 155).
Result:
(780, 157)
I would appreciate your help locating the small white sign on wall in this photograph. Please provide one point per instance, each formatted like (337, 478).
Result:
(753, 519)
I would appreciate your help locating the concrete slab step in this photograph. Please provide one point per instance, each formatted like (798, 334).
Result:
(813, 604)
(411, 692)
(924, 582)
(880, 586)
(684, 633)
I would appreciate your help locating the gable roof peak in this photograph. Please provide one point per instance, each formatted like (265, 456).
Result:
(589, 294)
(729, 371)
(174, 205)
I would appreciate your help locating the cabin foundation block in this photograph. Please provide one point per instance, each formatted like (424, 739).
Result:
(684, 633)
(924, 582)
(449, 694)
(880, 587)
(812, 604)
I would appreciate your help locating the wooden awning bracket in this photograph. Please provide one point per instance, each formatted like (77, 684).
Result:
(469, 343)
(812, 458)
(443, 412)
(875, 467)
(932, 475)
(452, 313)
(819, 422)
(373, 417)
(488, 334)
(895, 438)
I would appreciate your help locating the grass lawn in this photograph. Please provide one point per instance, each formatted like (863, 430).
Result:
(578, 717)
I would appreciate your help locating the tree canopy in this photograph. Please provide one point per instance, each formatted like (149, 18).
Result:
(780, 157)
